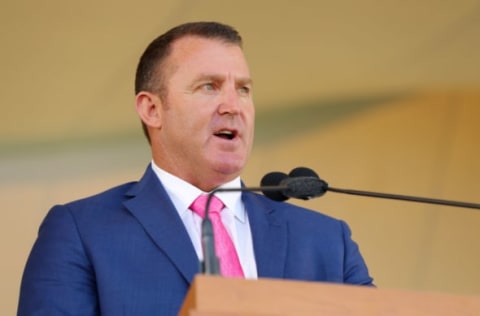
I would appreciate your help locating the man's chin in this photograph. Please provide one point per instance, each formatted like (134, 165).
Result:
(229, 169)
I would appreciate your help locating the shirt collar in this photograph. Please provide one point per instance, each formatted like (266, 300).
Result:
(183, 193)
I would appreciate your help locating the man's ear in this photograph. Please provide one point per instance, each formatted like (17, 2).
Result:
(148, 106)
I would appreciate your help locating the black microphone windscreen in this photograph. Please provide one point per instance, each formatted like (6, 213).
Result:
(303, 172)
(274, 179)
(304, 183)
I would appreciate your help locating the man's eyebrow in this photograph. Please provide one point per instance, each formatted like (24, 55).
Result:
(245, 81)
(207, 76)
(214, 77)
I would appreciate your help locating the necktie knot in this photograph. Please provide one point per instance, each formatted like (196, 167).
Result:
(200, 204)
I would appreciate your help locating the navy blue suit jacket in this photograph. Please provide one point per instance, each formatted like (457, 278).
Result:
(126, 252)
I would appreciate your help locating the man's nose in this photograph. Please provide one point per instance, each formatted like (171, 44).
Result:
(229, 101)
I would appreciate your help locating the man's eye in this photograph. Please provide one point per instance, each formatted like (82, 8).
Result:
(208, 87)
(244, 90)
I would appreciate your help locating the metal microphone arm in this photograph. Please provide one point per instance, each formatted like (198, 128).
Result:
(405, 198)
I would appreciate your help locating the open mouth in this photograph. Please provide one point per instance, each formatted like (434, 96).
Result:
(226, 134)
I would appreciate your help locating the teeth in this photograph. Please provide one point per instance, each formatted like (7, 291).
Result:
(225, 133)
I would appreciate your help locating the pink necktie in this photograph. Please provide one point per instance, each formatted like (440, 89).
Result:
(229, 262)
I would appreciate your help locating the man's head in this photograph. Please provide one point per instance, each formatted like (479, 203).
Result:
(151, 73)
(194, 97)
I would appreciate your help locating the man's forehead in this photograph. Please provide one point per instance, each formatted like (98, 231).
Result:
(195, 46)
(196, 56)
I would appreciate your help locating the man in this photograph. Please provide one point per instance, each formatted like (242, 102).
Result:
(135, 249)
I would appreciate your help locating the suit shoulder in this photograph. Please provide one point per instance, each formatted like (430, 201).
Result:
(115, 195)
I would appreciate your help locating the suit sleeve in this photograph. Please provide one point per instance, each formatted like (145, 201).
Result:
(355, 269)
(58, 277)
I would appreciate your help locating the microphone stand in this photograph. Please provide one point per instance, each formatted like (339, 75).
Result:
(210, 264)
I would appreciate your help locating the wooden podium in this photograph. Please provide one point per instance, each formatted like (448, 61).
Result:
(217, 296)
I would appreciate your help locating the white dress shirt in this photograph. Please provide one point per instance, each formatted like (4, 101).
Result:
(234, 216)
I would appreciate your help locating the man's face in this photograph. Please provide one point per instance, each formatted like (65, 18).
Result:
(207, 114)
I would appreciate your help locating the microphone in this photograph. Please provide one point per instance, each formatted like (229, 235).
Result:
(274, 179)
(304, 186)
(301, 183)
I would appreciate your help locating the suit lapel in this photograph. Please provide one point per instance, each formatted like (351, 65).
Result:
(269, 234)
(152, 207)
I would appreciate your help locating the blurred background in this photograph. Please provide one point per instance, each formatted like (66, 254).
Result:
(373, 95)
